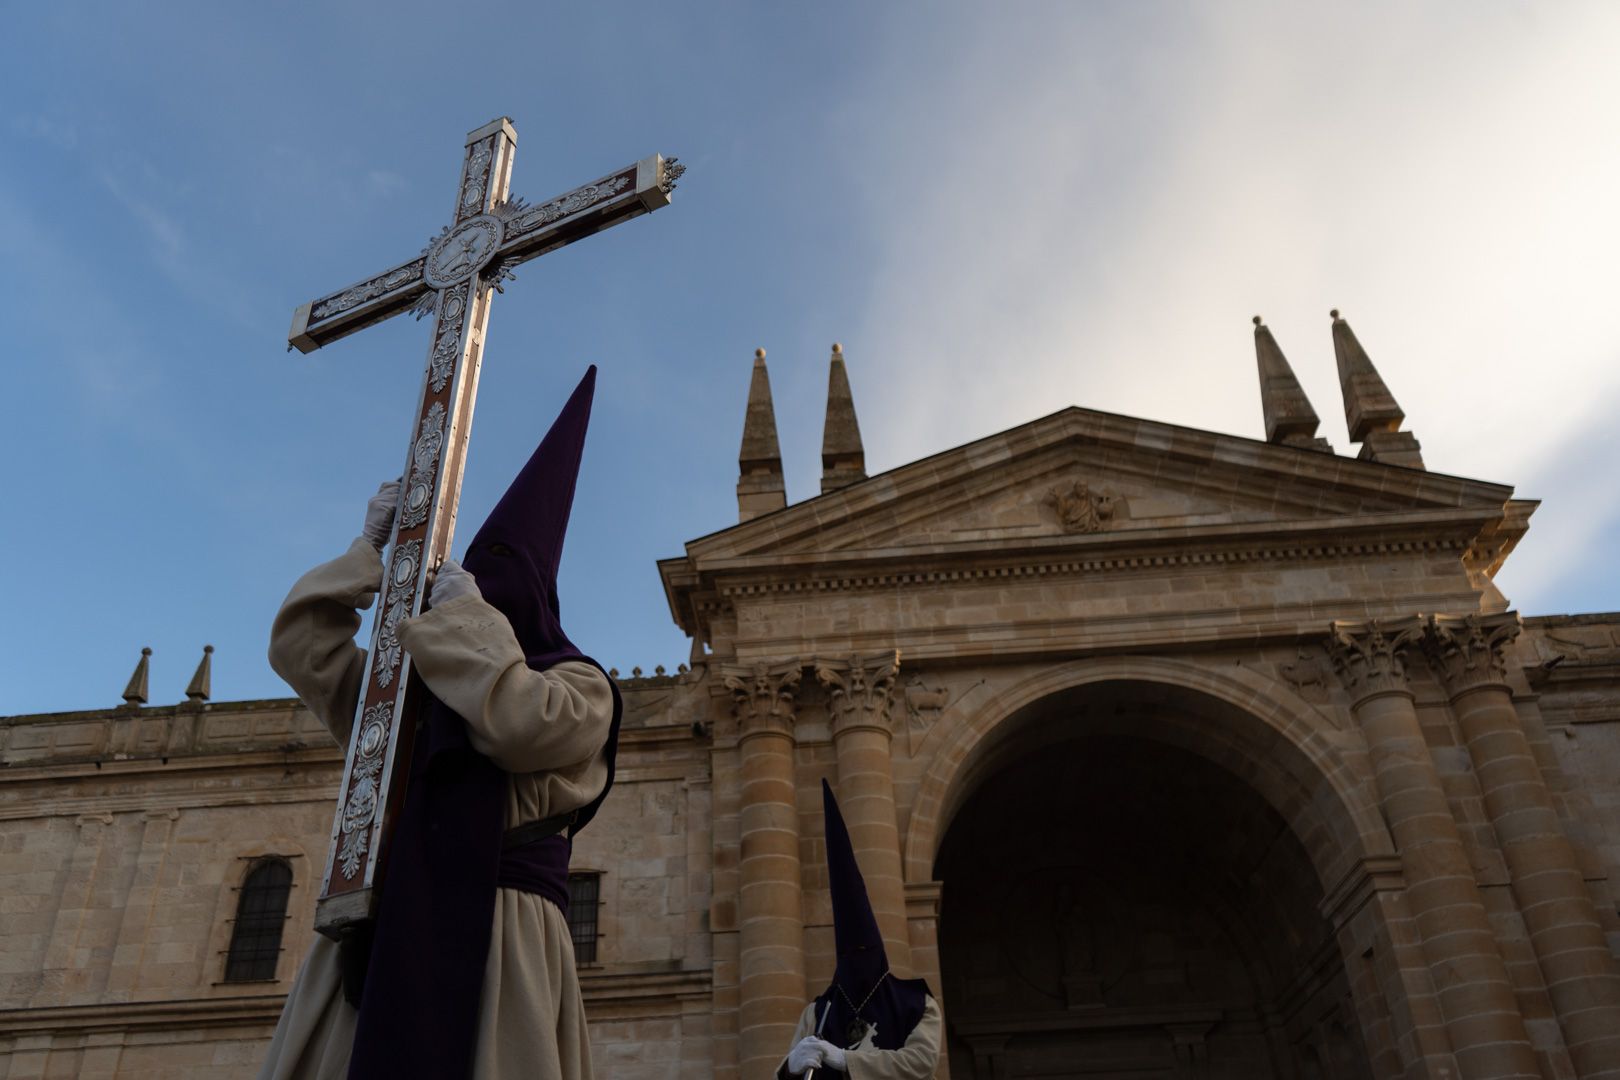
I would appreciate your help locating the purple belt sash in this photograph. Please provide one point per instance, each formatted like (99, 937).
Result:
(539, 867)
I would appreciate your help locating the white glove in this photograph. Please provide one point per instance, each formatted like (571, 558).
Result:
(806, 1054)
(380, 513)
(450, 582)
(831, 1056)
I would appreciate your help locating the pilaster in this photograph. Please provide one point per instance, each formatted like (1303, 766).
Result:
(130, 949)
(64, 965)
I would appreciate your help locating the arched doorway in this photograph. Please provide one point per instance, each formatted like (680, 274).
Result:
(1118, 904)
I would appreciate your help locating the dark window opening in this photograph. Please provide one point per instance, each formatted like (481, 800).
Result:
(261, 914)
(584, 893)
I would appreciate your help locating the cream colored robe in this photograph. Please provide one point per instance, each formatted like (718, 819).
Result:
(546, 728)
(913, 1061)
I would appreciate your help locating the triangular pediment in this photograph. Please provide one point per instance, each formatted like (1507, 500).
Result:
(1084, 476)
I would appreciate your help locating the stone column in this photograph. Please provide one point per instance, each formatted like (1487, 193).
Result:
(1582, 980)
(861, 690)
(1482, 1018)
(770, 915)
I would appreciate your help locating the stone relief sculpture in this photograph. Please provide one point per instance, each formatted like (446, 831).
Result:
(923, 706)
(1308, 674)
(1082, 510)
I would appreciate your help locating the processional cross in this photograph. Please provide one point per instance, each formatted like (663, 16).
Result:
(454, 279)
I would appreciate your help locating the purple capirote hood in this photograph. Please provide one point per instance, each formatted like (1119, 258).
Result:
(515, 554)
(419, 1012)
(892, 1006)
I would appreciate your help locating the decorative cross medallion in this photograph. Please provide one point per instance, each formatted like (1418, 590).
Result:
(455, 279)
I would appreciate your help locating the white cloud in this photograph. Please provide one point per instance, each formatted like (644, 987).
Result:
(381, 183)
(37, 126)
(167, 238)
(1102, 202)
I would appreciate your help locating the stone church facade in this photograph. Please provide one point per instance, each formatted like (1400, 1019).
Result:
(1165, 754)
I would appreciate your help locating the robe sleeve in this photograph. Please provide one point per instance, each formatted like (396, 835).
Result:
(807, 1025)
(312, 639)
(913, 1061)
(523, 720)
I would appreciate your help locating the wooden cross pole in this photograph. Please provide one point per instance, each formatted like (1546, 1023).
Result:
(454, 278)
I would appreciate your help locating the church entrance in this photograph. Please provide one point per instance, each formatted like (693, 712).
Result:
(1117, 906)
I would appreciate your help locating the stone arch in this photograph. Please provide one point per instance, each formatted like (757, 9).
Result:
(1293, 755)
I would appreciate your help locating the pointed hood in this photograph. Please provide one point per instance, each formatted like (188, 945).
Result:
(854, 926)
(864, 997)
(515, 554)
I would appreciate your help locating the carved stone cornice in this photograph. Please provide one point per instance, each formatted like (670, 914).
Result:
(861, 689)
(1370, 657)
(1467, 651)
(764, 696)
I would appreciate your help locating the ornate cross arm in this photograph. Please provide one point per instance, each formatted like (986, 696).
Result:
(510, 234)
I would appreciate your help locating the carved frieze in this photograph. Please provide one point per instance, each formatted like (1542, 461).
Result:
(764, 695)
(1080, 509)
(861, 689)
(1466, 651)
(1370, 657)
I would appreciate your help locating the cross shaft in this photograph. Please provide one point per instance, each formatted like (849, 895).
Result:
(454, 279)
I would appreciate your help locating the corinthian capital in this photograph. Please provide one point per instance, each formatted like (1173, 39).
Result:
(861, 689)
(763, 695)
(1466, 651)
(1370, 657)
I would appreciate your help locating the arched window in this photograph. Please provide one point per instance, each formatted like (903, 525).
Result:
(261, 913)
(584, 897)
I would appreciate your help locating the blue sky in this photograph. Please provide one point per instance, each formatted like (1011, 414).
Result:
(999, 210)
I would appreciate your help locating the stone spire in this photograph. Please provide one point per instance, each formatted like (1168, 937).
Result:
(1370, 410)
(843, 461)
(135, 694)
(1290, 420)
(760, 486)
(201, 687)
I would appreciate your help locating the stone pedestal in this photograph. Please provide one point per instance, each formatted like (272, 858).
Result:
(1568, 940)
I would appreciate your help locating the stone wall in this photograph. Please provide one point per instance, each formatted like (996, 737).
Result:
(125, 836)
